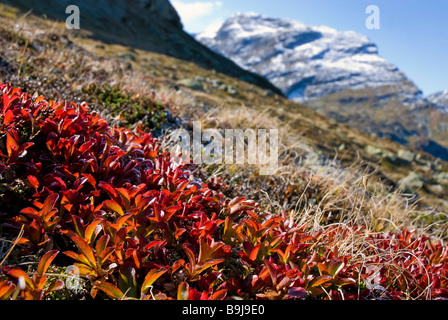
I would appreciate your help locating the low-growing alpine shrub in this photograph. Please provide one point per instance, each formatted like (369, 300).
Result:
(74, 191)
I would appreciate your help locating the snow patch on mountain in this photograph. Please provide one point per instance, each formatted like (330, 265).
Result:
(440, 99)
(304, 61)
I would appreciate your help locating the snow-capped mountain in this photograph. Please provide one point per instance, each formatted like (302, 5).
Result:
(305, 61)
(440, 99)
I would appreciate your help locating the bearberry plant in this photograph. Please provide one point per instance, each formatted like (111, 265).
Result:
(108, 201)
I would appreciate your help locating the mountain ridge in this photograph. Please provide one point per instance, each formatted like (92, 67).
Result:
(152, 25)
(305, 61)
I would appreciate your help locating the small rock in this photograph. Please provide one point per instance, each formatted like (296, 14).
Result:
(413, 181)
(373, 150)
(442, 178)
(193, 84)
(406, 155)
(436, 189)
(268, 93)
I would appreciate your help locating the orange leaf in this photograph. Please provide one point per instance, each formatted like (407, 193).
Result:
(18, 273)
(182, 291)
(34, 182)
(9, 117)
(110, 289)
(6, 290)
(46, 261)
(320, 280)
(92, 230)
(151, 277)
(219, 295)
(112, 205)
(12, 142)
(124, 195)
(86, 251)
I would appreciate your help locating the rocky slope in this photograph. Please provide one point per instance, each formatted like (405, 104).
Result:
(152, 25)
(305, 61)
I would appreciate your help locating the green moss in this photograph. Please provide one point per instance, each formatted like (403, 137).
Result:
(130, 109)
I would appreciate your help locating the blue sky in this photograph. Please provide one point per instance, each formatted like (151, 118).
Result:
(413, 34)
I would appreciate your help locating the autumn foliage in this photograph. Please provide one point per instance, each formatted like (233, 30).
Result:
(136, 226)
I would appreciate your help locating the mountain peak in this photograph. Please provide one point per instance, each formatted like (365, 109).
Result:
(304, 61)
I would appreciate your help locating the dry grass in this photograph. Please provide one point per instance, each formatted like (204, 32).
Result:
(316, 190)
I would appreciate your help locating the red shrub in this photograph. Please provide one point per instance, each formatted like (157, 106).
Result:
(136, 226)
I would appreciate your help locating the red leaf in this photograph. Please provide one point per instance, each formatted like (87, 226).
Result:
(297, 292)
(49, 203)
(55, 286)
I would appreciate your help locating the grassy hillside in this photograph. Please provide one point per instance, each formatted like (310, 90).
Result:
(334, 209)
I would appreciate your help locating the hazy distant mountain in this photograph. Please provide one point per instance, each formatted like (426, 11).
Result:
(152, 25)
(305, 61)
(440, 99)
